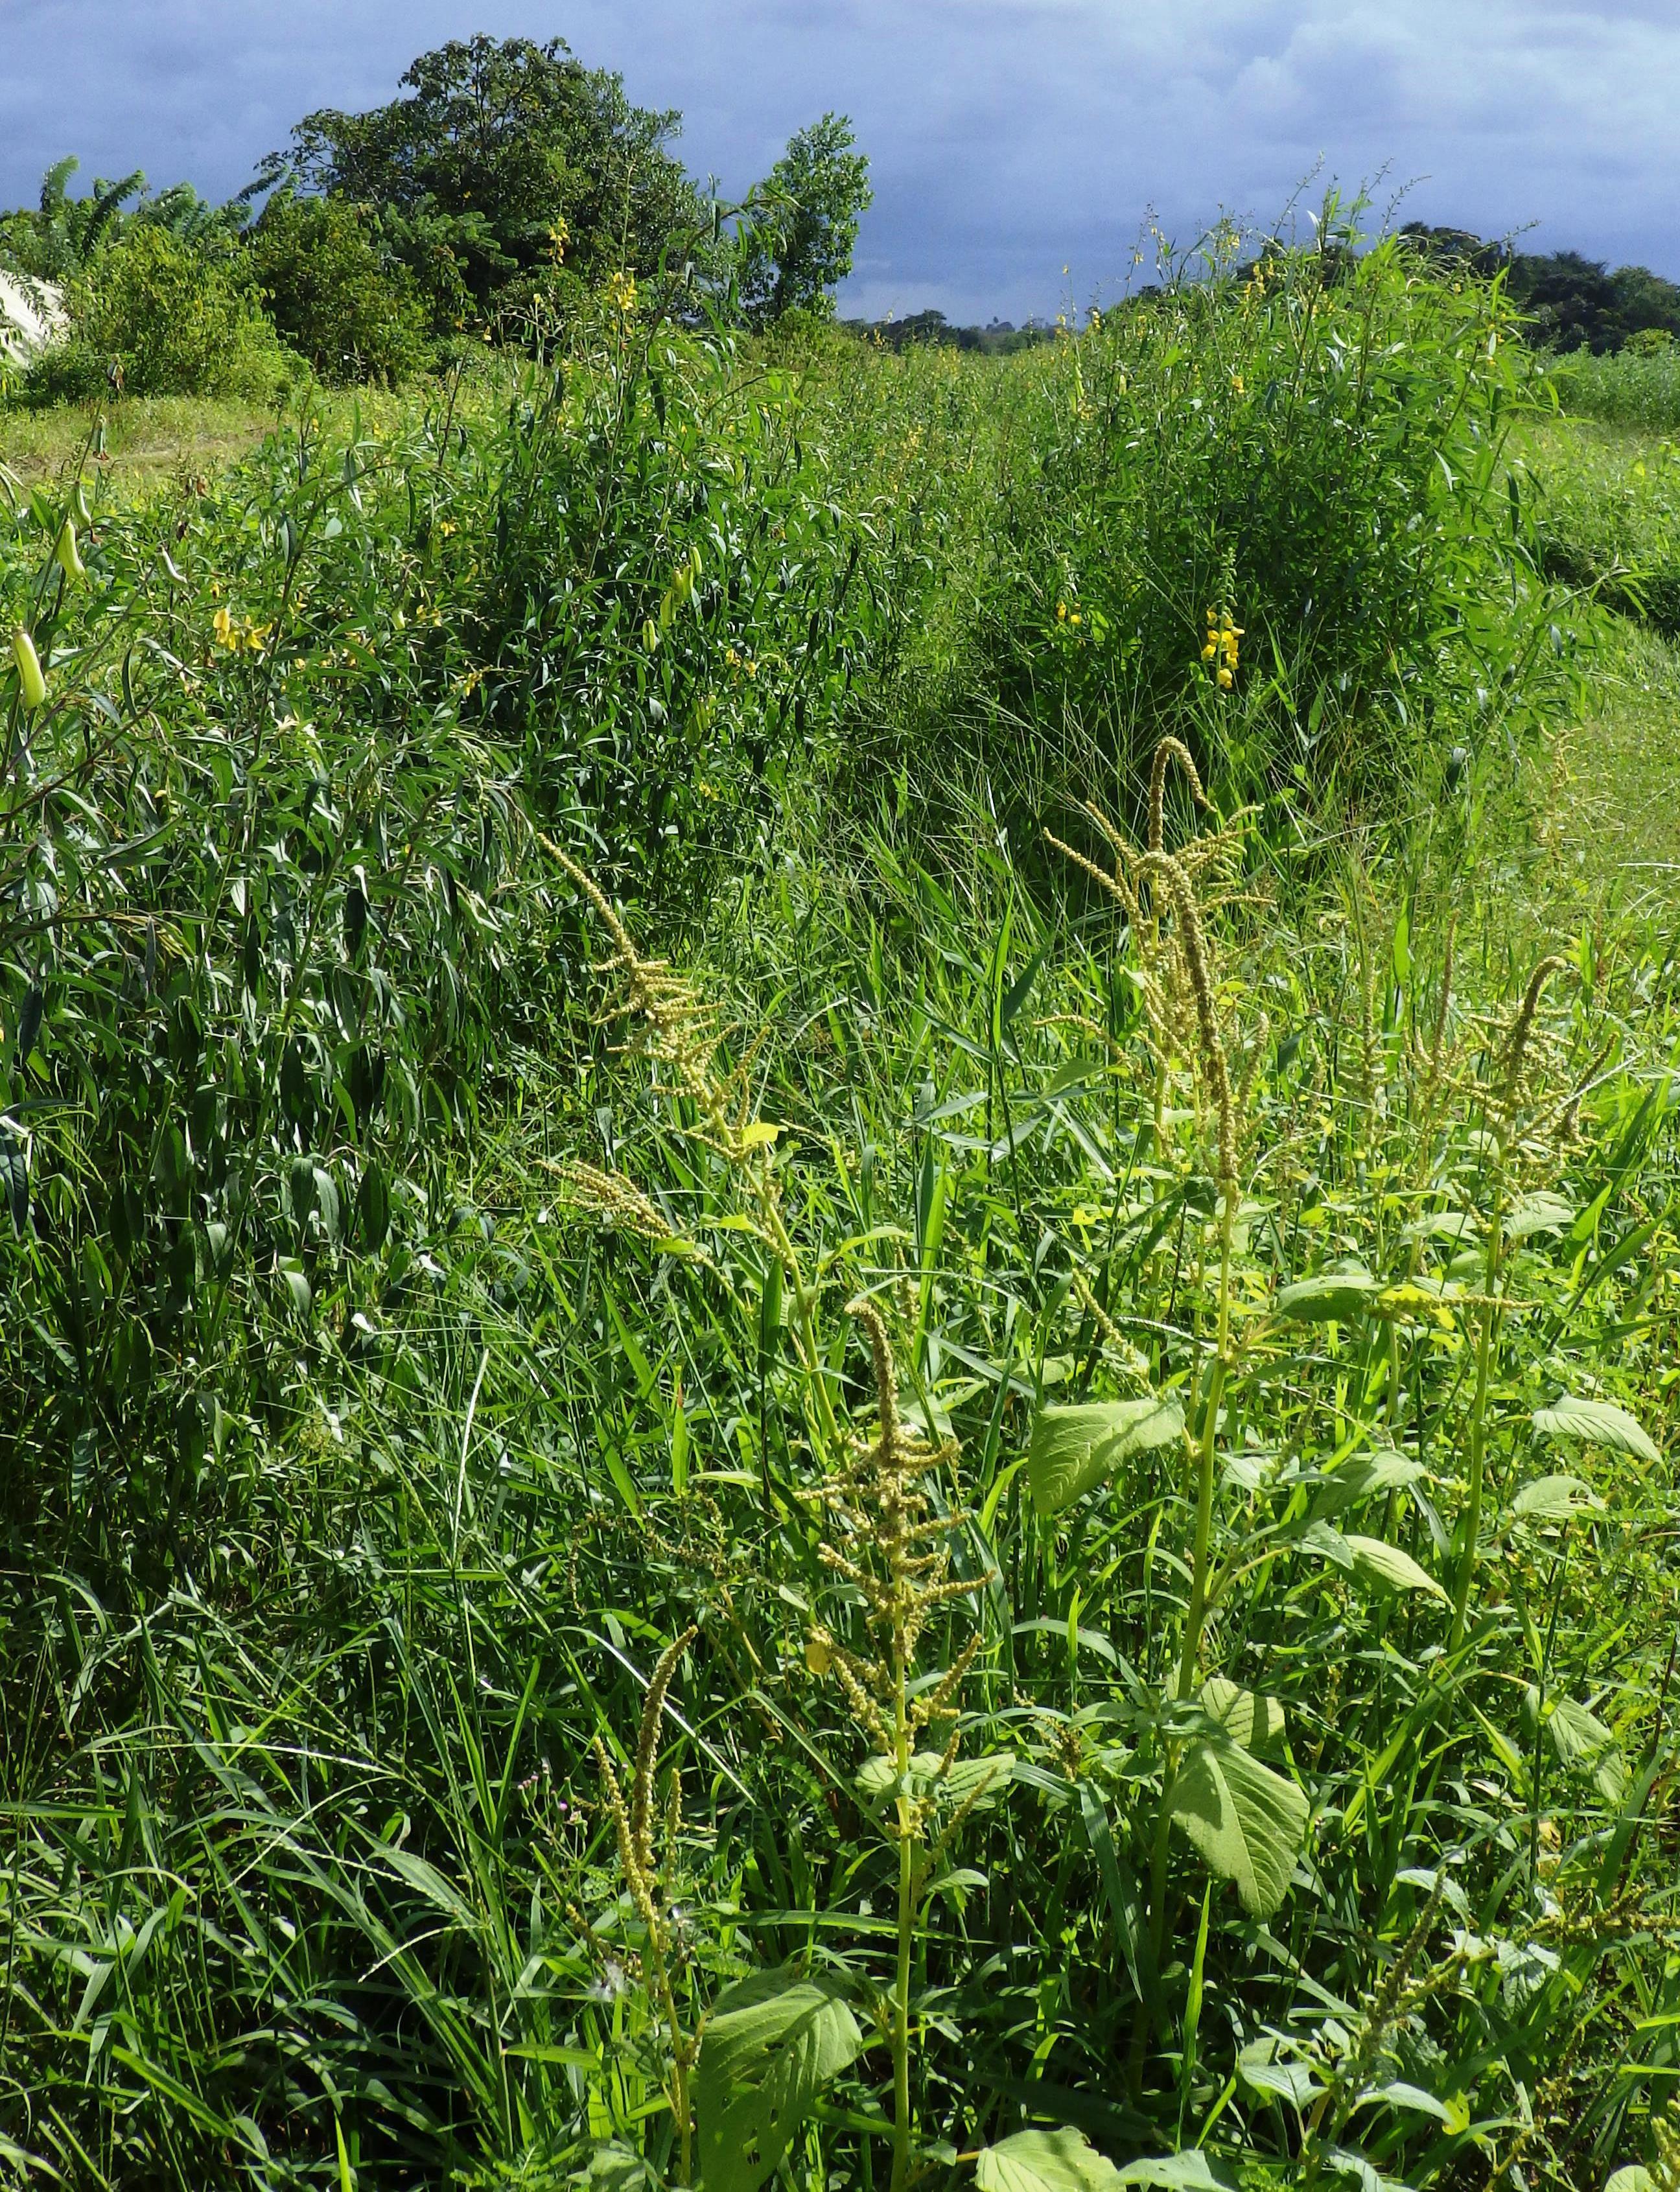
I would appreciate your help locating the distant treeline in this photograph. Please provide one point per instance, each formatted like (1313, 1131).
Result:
(504, 187)
(998, 339)
(1570, 302)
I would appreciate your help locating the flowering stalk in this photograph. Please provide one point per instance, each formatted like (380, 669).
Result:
(639, 1864)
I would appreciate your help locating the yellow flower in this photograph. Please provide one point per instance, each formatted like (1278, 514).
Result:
(1224, 679)
(1210, 650)
(226, 634)
(1061, 611)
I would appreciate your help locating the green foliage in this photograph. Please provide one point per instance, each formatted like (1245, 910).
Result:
(1568, 303)
(501, 148)
(158, 317)
(1033, 1395)
(772, 2044)
(57, 242)
(1605, 518)
(798, 248)
(1638, 386)
(1310, 450)
(335, 297)
(680, 610)
(63, 238)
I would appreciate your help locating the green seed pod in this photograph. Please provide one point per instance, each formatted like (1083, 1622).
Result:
(78, 505)
(30, 682)
(68, 554)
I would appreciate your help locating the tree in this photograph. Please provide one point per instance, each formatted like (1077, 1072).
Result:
(799, 250)
(511, 155)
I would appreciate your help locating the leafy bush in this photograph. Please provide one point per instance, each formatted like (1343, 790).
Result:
(1309, 449)
(163, 318)
(336, 297)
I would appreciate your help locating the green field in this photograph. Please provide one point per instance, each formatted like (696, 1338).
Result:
(747, 1437)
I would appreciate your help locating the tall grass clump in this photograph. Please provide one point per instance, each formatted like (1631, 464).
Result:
(1303, 449)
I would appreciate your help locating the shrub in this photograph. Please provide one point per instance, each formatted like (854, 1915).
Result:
(334, 295)
(1310, 447)
(171, 317)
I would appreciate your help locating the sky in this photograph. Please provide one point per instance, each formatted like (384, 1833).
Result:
(1017, 147)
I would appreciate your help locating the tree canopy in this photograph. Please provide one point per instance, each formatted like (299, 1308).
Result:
(1571, 302)
(512, 157)
(799, 249)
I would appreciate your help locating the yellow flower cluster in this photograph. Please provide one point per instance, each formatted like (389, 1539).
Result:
(1066, 615)
(234, 636)
(621, 293)
(1221, 646)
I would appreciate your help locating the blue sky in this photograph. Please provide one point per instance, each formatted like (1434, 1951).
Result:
(1010, 139)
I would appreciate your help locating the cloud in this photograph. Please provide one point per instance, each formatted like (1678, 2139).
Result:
(1009, 138)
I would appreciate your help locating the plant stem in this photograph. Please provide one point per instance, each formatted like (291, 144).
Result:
(679, 2060)
(1478, 1423)
(1196, 1617)
(900, 2023)
(1195, 1621)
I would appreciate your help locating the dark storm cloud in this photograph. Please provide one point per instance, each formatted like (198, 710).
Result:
(1011, 138)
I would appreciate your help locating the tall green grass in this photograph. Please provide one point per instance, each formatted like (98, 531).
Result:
(1634, 387)
(426, 1305)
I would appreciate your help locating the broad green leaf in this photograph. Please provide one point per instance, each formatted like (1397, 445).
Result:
(1444, 1224)
(326, 1202)
(982, 1779)
(1074, 1447)
(1632, 2177)
(774, 2042)
(1191, 2171)
(1365, 1477)
(1399, 2095)
(1595, 1423)
(1247, 1718)
(1538, 1214)
(1337, 1297)
(1258, 2066)
(1582, 1742)
(1555, 1499)
(1044, 2162)
(1387, 1565)
(1246, 1822)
